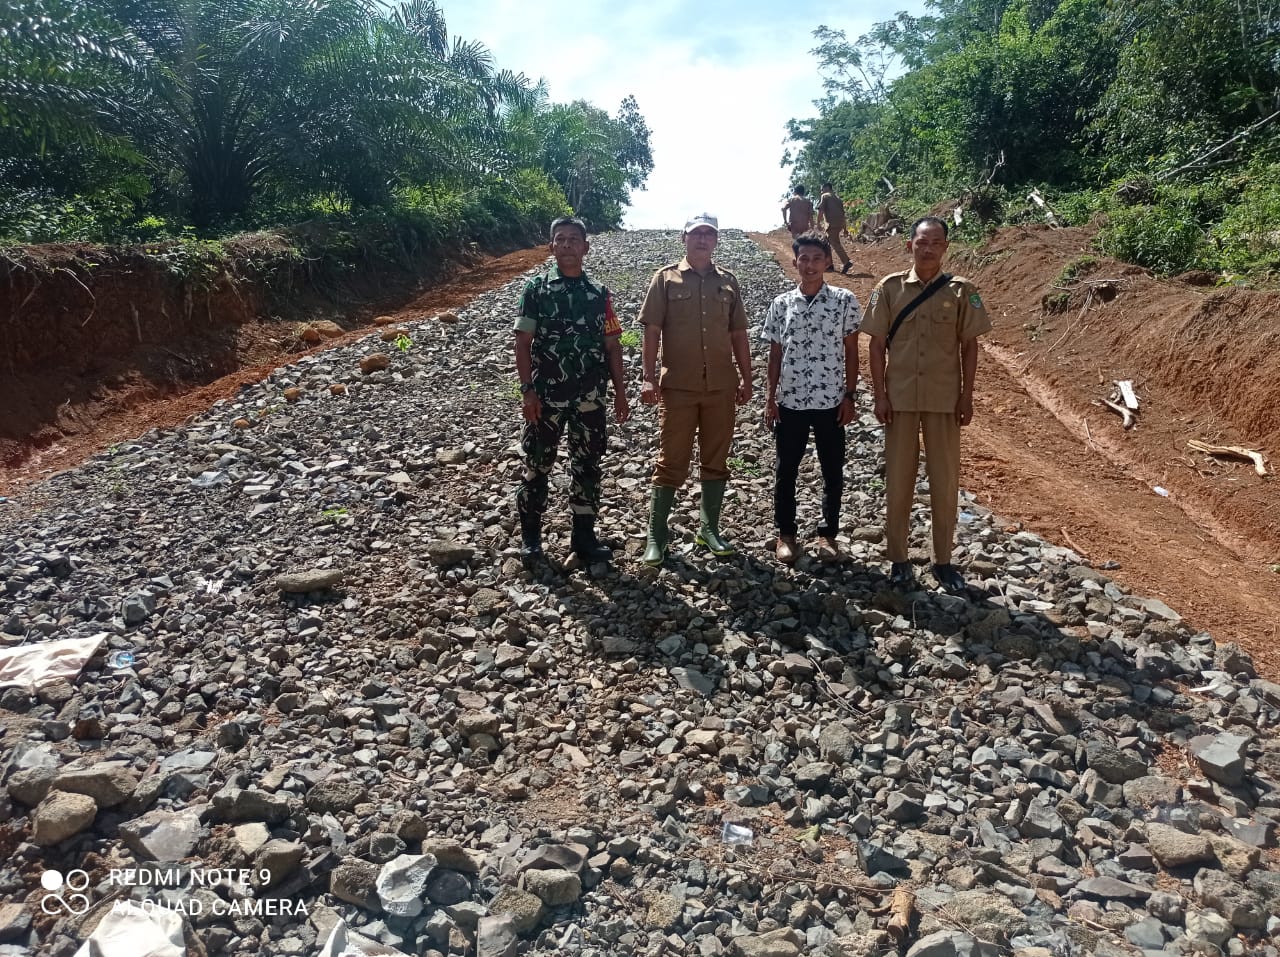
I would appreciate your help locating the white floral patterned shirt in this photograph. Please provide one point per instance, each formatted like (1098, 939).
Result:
(812, 337)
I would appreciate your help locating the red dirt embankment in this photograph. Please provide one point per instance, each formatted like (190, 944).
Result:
(97, 346)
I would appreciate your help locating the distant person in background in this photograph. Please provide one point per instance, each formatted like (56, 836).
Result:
(831, 214)
(812, 331)
(797, 213)
(924, 326)
(567, 342)
(693, 313)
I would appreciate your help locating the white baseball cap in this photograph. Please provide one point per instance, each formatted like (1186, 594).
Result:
(702, 219)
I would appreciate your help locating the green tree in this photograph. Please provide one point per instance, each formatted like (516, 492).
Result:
(597, 159)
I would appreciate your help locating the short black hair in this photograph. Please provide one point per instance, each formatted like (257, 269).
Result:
(930, 219)
(800, 190)
(828, 186)
(567, 221)
(811, 238)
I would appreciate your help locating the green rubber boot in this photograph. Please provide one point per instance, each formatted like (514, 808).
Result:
(660, 501)
(709, 533)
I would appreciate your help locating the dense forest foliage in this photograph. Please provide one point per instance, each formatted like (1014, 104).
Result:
(138, 119)
(1162, 115)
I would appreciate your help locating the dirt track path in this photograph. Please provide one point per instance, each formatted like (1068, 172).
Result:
(1024, 464)
(1019, 459)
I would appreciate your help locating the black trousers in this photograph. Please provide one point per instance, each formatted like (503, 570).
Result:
(792, 435)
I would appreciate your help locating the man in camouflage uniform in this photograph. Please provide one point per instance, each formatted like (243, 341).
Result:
(567, 342)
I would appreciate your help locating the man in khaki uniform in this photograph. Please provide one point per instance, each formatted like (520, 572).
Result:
(797, 214)
(922, 374)
(831, 213)
(693, 314)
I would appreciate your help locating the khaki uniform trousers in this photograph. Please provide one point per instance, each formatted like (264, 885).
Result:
(681, 414)
(833, 237)
(942, 465)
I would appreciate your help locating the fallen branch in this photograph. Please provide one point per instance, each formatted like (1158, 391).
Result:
(1129, 420)
(1231, 452)
(900, 910)
(1074, 547)
(1204, 156)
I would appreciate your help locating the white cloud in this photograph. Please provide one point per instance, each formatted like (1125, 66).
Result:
(716, 83)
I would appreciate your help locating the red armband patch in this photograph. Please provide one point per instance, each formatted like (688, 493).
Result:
(611, 325)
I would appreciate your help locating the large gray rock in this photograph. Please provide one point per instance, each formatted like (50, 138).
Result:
(496, 936)
(355, 881)
(163, 835)
(315, 579)
(952, 943)
(335, 796)
(1114, 765)
(279, 859)
(977, 909)
(1230, 899)
(446, 554)
(783, 942)
(109, 783)
(554, 887)
(1175, 848)
(1206, 925)
(62, 815)
(1221, 756)
(524, 909)
(402, 884)
(837, 744)
(451, 854)
(237, 805)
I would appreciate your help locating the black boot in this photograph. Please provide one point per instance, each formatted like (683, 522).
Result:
(530, 535)
(584, 543)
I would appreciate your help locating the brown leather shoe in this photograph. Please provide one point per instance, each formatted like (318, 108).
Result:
(788, 550)
(828, 549)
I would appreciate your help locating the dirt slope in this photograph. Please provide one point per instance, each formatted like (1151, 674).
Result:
(1206, 549)
(69, 411)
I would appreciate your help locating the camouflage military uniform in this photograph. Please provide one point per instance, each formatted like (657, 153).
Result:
(570, 318)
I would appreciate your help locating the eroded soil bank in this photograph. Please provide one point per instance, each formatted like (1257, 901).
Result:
(1042, 453)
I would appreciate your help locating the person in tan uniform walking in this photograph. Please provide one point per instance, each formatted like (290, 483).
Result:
(797, 214)
(831, 214)
(924, 326)
(693, 314)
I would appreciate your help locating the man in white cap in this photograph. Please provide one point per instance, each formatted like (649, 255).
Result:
(693, 314)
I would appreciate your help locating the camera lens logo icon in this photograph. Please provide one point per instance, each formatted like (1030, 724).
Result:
(71, 884)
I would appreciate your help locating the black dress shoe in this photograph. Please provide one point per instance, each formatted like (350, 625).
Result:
(901, 574)
(949, 578)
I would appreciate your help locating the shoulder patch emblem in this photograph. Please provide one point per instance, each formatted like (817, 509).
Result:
(975, 300)
(875, 297)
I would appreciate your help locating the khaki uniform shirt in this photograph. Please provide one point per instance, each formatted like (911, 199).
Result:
(831, 207)
(799, 213)
(923, 370)
(696, 314)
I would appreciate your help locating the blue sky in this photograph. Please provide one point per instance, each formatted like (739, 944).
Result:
(716, 82)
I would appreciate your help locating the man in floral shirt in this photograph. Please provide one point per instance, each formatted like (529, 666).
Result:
(812, 332)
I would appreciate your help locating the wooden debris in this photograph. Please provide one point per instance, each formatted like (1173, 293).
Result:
(1231, 452)
(1073, 546)
(1049, 216)
(901, 908)
(1129, 419)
